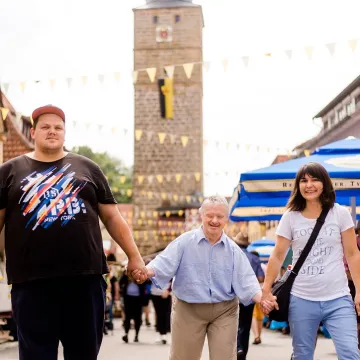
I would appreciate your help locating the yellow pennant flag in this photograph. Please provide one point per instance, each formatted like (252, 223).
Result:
(123, 179)
(84, 80)
(142, 214)
(163, 196)
(129, 194)
(151, 73)
(197, 176)
(4, 113)
(150, 194)
(140, 179)
(309, 52)
(188, 68)
(52, 83)
(169, 224)
(155, 214)
(162, 137)
(136, 235)
(139, 222)
(168, 213)
(353, 45)
(188, 198)
(176, 197)
(180, 224)
(150, 222)
(159, 178)
(184, 140)
(135, 76)
(307, 152)
(138, 134)
(117, 76)
(180, 213)
(163, 233)
(201, 199)
(178, 177)
(22, 86)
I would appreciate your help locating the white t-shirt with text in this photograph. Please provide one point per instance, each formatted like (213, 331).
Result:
(322, 276)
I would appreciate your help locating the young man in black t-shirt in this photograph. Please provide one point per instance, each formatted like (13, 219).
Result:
(50, 203)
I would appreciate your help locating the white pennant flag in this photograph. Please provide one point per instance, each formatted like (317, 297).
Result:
(170, 71)
(353, 44)
(135, 76)
(151, 73)
(288, 54)
(331, 48)
(246, 59)
(225, 63)
(101, 78)
(149, 135)
(69, 81)
(6, 87)
(206, 65)
(188, 68)
(309, 52)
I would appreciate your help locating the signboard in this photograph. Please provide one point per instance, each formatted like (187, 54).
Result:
(164, 33)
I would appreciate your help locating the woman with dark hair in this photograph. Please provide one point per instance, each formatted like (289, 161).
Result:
(320, 292)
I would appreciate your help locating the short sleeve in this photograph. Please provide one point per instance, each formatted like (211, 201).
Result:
(103, 192)
(345, 220)
(284, 227)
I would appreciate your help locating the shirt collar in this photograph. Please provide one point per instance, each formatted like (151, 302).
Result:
(200, 235)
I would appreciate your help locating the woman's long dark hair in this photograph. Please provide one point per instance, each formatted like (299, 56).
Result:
(327, 198)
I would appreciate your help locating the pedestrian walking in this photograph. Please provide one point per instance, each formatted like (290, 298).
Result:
(320, 292)
(246, 312)
(161, 298)
(210, 274)
(50, 203)
(133, 295)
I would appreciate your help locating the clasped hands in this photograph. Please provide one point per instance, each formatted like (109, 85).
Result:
(268, 302)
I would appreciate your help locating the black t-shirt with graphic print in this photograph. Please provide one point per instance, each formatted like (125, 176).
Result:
(51, 223)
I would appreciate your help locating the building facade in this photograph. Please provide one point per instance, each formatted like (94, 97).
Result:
(339, 119)
(168, 163)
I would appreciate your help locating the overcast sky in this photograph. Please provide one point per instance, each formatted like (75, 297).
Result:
(269, 103)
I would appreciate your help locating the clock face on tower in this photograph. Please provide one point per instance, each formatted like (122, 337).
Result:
(164, 33)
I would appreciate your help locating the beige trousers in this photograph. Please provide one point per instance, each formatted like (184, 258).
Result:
(190, 323)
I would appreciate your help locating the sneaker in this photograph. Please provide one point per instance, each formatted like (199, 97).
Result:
(163, 339)
(136, 339)
(157, 339)
(125, 338)
(148, 323)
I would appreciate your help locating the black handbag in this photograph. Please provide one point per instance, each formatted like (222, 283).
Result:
(282, 287)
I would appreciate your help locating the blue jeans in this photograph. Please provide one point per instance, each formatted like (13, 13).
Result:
(338, 316)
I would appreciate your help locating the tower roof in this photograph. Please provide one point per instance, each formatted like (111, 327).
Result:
(163, 4)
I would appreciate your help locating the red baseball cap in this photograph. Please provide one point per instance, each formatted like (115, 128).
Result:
(48, 109)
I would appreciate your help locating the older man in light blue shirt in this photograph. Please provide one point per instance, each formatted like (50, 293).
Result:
(210, 274)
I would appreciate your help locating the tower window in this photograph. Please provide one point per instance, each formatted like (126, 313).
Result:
(155, 19)
(177, 18)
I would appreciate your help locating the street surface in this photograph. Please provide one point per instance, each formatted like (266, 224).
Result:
(275, 346)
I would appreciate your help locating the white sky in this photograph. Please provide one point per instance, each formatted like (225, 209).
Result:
(270, 103)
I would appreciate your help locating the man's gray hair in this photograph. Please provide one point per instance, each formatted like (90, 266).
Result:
(214, 200)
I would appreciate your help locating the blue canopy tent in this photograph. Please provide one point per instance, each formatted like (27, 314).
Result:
(269, 188)
(263, 247)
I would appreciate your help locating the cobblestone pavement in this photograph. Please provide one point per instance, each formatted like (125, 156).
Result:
(275, 346)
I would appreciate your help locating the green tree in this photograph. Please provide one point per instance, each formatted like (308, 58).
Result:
(117, 174)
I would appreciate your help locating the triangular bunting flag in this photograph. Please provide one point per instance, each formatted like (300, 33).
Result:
(225, 64)
(135, 76)
(180, 213)
(140, 179)
(172, 138)
(288, 54)
(201, 199)
(22, 86)
(159, 178)
(117, 76)
(113, 130)
(176, 197)
(178, 177)
(162, 137)
(6, 87)
(353, 44)
(138, 134)
(129, 192)
(151, 73)
(188, 198)
(170, 71)
(245, 60)
(101, 78)
(309, 52)
(52, 83)
(69, 82)
(188, 68)
(197, 176)
(331, 48)
(184, 140)
(168, 177)
(4, 113)
(307, 152)
(84, 80)
(150, 179)
(149, 135)
(268, 54)
(163, 196)
(206, 65)
(167, 213)
(123, 179)
(155, 214)
(150, 194)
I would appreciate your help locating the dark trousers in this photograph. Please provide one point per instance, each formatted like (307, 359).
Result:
(163, 310)
(70, 310)
(133, 310)
(245, 319)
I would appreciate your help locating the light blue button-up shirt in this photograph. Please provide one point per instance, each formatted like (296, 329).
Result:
(205, 273)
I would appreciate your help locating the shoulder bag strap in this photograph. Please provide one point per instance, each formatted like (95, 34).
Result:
(319, 223)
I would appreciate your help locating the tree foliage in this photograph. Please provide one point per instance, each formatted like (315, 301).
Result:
(113, 169)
